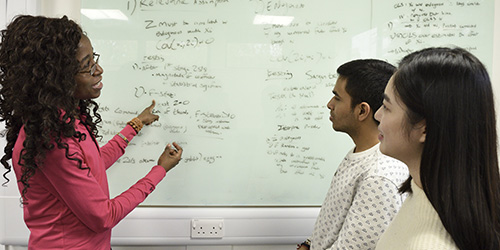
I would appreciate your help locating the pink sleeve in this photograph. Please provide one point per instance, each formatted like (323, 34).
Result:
(83, 194)
(115, 147)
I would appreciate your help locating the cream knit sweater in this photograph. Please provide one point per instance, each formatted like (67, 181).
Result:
(416, 227)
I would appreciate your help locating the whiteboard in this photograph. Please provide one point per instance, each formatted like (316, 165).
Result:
(243, 86)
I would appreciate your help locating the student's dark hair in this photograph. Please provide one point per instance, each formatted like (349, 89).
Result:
(366, 81)
(450, 90)
(38, 65)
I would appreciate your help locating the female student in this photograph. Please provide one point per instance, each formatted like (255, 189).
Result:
(438, 117)
(49, 76)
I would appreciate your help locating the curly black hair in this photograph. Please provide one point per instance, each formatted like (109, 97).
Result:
(38, 65)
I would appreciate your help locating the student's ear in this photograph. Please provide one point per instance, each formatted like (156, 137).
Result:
(363, 111)
(422, 131)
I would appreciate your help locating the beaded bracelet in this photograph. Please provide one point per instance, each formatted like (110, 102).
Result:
(306, 243)
(136, 124)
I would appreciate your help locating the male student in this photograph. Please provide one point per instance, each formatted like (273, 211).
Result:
(363, 196)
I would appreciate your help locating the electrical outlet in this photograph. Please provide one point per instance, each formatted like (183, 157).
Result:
(207, 228)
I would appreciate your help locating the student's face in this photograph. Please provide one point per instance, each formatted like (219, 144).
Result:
(341, 114)
(87, 86)
(395, 140)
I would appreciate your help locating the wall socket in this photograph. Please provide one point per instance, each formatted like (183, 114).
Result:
(207, 228)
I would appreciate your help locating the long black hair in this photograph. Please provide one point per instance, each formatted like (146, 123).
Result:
(450, 89)
(38, 65)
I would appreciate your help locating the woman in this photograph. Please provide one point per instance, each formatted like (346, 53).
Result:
(438, 117)
(49, 76)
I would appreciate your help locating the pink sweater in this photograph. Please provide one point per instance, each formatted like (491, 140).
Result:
(70, 208)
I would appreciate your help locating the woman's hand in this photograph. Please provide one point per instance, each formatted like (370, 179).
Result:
(170, 156)
(147, 117)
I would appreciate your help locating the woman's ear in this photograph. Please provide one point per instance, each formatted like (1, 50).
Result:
(422, 130)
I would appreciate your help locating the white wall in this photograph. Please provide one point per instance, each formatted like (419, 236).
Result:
(58, 8)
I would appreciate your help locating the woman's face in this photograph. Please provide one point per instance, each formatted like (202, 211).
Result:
(87, 86)
(395, 139)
